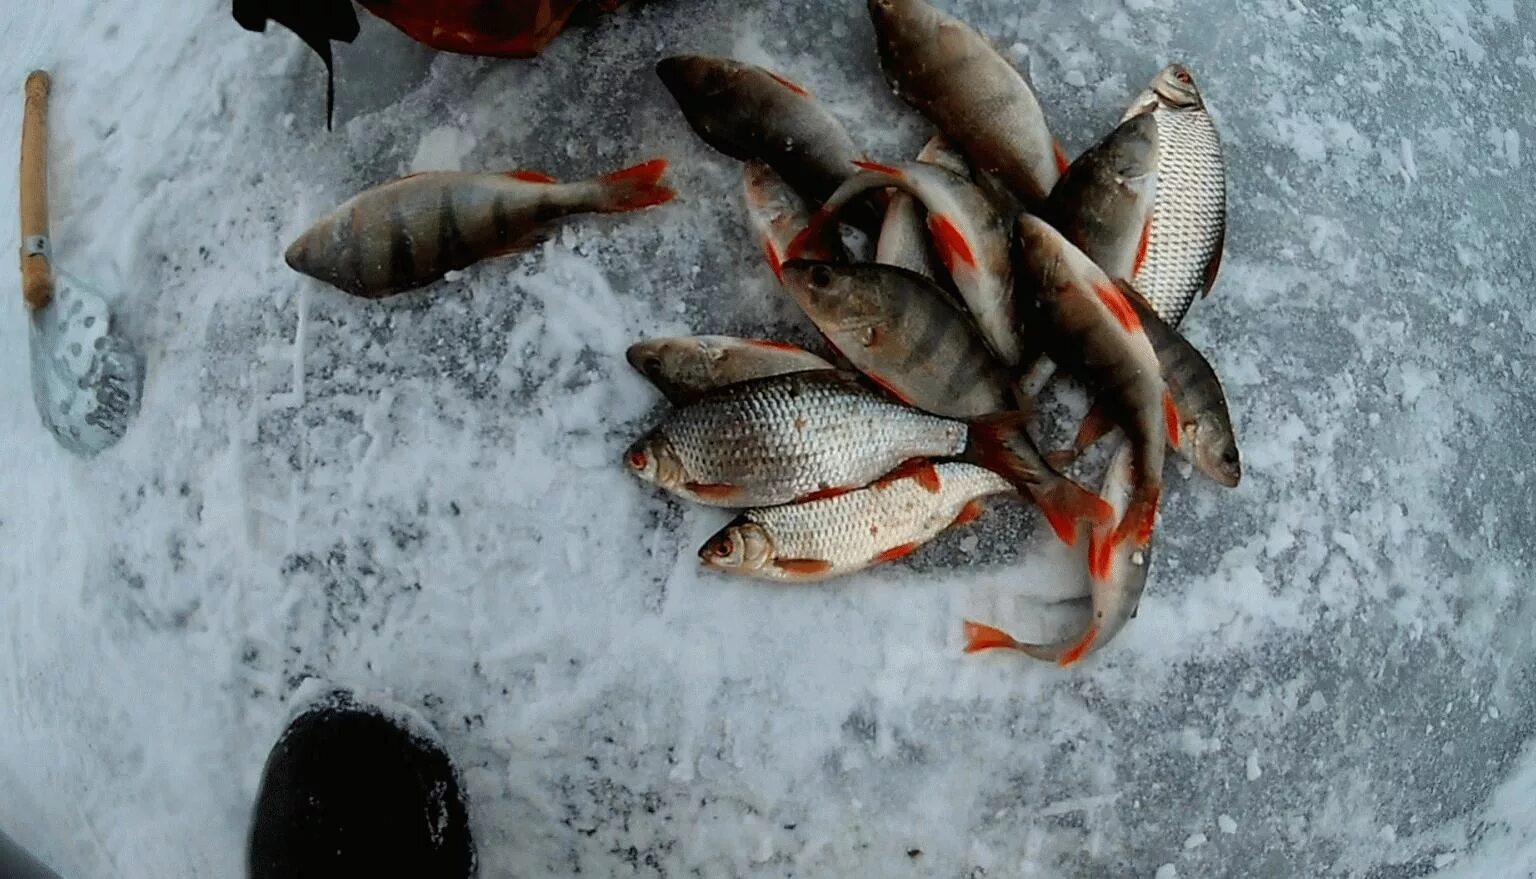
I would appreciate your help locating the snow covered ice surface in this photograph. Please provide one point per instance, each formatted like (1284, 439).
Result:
(1331, 670)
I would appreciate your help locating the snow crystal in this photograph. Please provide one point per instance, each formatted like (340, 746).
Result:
(1252, 766)
(1227, 824)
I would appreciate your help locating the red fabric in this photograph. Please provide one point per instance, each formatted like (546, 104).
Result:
(501, 28)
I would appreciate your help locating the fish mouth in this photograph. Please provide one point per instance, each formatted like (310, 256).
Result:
(684, 74)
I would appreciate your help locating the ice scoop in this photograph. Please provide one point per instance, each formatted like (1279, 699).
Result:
(85, 378)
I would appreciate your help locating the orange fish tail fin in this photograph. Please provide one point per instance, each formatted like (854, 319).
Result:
(634, 188)
(1171, 419)
(979, 636)
(1095, 425)
(1065, 504)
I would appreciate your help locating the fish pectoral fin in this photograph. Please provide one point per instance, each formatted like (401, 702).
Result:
(1119, 306)
(1095, 425)
(920, 469)
(803, 567)
(969, 513)
(1211, 270)
(1077, 651)
(1171, 417)
(954, 249)
(719, 491)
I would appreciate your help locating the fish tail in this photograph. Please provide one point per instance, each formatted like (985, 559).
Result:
(1001, 443)
(979, 636)
(634, 188)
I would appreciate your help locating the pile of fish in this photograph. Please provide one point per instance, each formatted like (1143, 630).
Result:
(996, 261)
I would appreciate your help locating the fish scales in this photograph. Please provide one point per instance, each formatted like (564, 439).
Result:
(787, 437)
(1189, 215)
(853, 530)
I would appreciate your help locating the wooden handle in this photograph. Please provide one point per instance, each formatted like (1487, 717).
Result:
(36, 271)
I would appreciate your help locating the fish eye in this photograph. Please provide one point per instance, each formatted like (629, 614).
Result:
(651, 365)
(637, 459)
(1229, 456)
(821, 276)
(1183, 76)
(722, 548)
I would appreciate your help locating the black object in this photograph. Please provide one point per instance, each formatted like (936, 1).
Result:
(316, 22)
(349, 791)
(15, 863)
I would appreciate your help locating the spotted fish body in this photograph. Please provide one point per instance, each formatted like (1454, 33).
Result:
(953, 75)
(412, 231)
(785, 438)
(839, 535)
(685, 368)
(1189, 216)
(902, 331)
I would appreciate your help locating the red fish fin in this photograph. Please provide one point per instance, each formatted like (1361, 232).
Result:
(802, 242)
(773, 345)
(1140, 517)
(803, 567)
(896, 552)
(979, 636)
(1142, 245)
(635, 188)
(1065, 504)
(790, 84)
(953, 248)
(920, 469)
(1093, 428)
(1119, 306)
(1171, 417)
(531, 176)
(822, 494)
(775, 261)
(1061, 157)
(969, 513)
(1214, 266)
(1101, 558)
(1080, 649)
(713, 490)
(878, 168)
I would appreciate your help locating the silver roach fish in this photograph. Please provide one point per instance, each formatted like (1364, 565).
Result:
(952, 74)
(777, 215)
(748, 112)
(904, 239)
(1103, 203)
(1088, 326)
(1206, 437)
(410, 232)
(1189, 218)
(806, 435)
(903, 332)
(685, 368)
(1114, 597)
(970, 235)
(832, 536)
